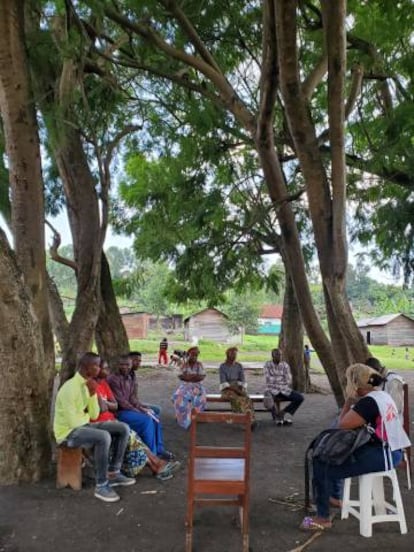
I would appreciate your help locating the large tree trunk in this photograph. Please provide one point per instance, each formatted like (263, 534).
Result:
(291, 339)
(24, 381)
(294, 260)
(26, 340)
(83, 210)
(23, 153)
(56, 86)
(84, 219)
(111, 337)
(326, 205)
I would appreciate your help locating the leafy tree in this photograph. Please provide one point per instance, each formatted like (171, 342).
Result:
(243, 311)
(121, 260)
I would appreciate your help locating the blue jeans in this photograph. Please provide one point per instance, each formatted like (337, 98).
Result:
(100, 436)
(295, 398)
(148, 429)
(367, 459)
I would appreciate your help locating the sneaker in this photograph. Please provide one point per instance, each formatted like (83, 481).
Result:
(287, 419)
(121, 480)
(279, 420)
(105, 493)
(164, 475)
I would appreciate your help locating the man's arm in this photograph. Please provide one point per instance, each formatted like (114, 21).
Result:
(124, 402)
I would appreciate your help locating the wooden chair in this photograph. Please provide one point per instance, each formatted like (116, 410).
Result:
(219, 476)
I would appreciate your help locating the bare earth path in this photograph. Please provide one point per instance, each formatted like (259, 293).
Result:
(150, 516)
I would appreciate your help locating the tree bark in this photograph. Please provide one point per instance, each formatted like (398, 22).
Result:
(58, 318)
(84, 220)
(110, 335)
(23, 153)
(326, 205)
(291, 340)
(26, 341)
(24, 385)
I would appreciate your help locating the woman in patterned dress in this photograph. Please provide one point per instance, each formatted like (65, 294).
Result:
(191, 392)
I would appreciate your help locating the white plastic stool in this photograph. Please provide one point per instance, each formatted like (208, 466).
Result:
(371, 495)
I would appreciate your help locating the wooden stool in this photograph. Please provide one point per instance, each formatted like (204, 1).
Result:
(69, 468)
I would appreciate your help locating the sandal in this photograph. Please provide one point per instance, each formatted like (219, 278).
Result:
(164, 476)
(309, 524)
(173, 466)
(166, 455)
(170, 467)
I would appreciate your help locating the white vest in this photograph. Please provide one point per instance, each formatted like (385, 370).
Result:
(396, 436)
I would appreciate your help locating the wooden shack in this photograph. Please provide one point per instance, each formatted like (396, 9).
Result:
(210, 324)
(390, 329)
(136, 324)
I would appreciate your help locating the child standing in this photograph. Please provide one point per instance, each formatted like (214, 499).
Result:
(162, 354)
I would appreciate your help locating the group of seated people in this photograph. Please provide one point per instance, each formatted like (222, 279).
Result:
(95, 409)
(374, 397)
(191, 393)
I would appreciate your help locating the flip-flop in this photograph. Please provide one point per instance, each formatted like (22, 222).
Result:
(170, 467)
(164, 476)
(166, 455)
(173, 466)
(309, 524)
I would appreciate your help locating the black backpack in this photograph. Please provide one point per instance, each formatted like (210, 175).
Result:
(334, 446)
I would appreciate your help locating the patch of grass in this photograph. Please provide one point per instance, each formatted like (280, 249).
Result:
(394, 358)
(256, 348)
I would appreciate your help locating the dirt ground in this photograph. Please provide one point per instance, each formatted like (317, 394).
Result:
(150, 516)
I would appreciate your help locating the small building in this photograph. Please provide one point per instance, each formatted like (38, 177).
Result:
(270, 320)
(210, 324)
(390, 329)
(136, 324)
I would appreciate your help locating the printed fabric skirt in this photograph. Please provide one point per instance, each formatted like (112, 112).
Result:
(135, 457)
(186, 397)
(239, 403)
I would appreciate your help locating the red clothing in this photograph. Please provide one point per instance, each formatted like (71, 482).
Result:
(162, 357)
(105, 392)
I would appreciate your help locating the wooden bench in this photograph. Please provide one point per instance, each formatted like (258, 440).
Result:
(69, 467)
(256, 398)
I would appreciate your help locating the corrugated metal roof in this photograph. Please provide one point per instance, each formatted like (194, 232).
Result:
(380, 320)
(271, 311)
(204, 310)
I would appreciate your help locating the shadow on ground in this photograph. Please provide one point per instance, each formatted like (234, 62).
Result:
(150, 516)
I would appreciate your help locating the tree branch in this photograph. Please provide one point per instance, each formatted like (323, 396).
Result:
(334, 14)
(187, 27)
(227, 93)
(315, 77)
(269, 74)
(53, 250)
